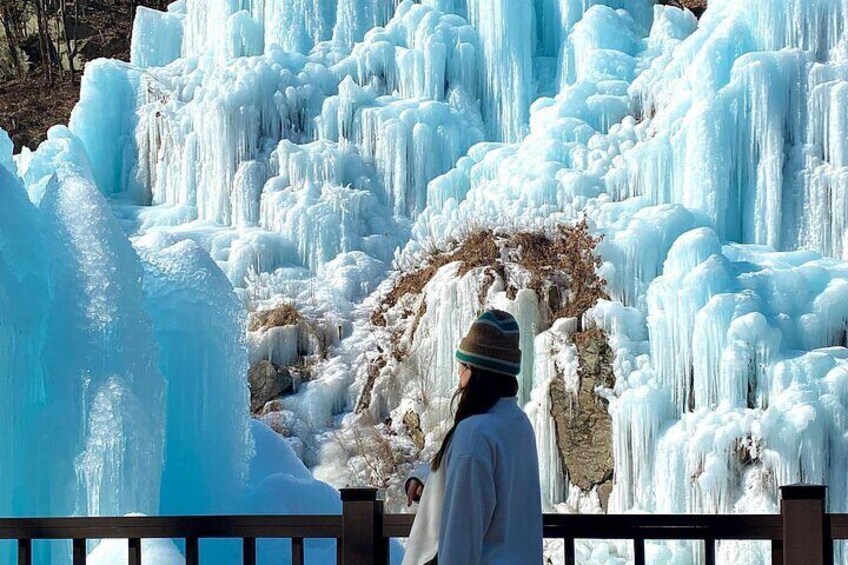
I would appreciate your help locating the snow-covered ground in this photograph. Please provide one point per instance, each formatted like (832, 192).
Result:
(312, 152)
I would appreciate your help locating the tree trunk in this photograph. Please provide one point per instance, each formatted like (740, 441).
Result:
(66, 22)
(44, 41)
(11, 39)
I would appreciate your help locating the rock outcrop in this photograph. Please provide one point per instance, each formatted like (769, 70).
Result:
(412, 423)
(583, 424)
(268, 382)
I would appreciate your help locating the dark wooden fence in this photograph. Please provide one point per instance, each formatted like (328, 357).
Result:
(802, 534)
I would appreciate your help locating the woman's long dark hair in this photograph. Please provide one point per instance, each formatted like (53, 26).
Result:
(483, 390)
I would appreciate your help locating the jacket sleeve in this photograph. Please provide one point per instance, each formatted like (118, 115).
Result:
(467, 510)
(421, 472)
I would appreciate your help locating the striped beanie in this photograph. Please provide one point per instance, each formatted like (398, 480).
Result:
(492, 344)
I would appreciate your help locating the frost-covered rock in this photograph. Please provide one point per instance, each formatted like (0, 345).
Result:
(583, 423)
(267, 382)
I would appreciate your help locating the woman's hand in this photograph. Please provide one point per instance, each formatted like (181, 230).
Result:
(414, 490)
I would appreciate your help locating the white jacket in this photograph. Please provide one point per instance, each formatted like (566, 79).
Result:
(484, 505)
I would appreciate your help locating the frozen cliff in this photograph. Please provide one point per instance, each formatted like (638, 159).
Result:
(383, 170)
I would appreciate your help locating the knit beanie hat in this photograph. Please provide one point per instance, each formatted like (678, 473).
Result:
(492, 344)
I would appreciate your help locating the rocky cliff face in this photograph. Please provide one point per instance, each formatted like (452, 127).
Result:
(284, 345)
(268, 382)
(583, 424)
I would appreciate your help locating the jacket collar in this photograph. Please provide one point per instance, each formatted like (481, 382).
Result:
(506, 404)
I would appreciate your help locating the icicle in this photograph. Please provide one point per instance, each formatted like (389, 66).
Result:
(506, 57)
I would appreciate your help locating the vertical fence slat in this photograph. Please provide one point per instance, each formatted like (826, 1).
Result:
(79, 552)
(192, 551)
(297, 551)
(639, 551)
(570, 551)
(339, 553)
(134, 551)
(248, 551)
(709, 551)
(776, 552)
(24, 552)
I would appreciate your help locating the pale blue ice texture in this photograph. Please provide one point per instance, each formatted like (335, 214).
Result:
(129, 393)
(301, 150)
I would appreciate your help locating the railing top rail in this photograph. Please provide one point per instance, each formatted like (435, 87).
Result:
(665, 526)
(153, 527)
(581, 526)
(639, 526)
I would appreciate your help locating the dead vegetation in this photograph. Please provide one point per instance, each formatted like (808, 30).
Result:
(478, 249)
(283, 315)
(562, 267)
(377, 458)
(559, 266)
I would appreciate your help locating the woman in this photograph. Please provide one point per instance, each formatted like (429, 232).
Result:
(482, 504)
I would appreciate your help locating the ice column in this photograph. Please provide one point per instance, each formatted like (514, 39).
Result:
(409, 142)
(102, 358)
(104, 120)
(823, 223)
(355, 17)
(203, 357)
(295, 25)
(24, 310)
(422, 53)
(694, 271)
(639, 416)
(157, 38)
(507, 61)
(192, 151)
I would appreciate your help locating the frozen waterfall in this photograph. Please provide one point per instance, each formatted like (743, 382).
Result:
(308, 152)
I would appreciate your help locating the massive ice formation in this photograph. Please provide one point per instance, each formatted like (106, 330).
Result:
(197, 323)
(302, 150)
(126, 367)
(23, 267)
(95, 276)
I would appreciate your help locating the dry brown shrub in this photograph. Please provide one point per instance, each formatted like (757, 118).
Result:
(563, 267)
(283, 315)
(478, 249)
(567, 265)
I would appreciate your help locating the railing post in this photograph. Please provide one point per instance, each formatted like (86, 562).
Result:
(362, 528)
(806, 535)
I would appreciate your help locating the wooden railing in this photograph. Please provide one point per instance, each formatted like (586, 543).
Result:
(802, 534)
